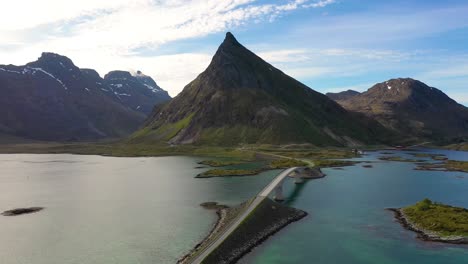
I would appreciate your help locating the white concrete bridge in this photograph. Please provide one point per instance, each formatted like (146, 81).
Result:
(276, 185)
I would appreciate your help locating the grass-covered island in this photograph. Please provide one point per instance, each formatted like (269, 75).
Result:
(448, 165)
(323, 163)
(435, 222)
(287, 163)
(229, 173)
(399, 159)
(219, 163)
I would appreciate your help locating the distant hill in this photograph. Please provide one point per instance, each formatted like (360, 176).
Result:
(240, 98)
(342, 95)
(52, 99)
(412, 109)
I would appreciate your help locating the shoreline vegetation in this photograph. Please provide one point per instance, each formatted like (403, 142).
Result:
(442, 162)
(229, 173)
(219, 163)
(447, 165)
(434, 221)
(399, 159)
(274, 165)
(242, 153)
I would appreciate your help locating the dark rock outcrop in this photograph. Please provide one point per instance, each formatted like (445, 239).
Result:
(20, 211)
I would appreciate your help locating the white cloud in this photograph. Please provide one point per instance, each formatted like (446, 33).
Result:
(282, 56)
(104, 34)
(460, 70)
(321, 3)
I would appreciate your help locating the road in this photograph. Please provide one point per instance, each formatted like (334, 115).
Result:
(235, 224)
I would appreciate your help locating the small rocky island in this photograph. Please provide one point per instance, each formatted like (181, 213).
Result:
(20, 211)
(435, 222)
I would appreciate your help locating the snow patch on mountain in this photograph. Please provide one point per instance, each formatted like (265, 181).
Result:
(46, 73)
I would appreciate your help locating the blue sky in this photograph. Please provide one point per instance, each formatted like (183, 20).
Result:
(330, 45)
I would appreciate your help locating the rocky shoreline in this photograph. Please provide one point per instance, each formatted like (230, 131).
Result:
(221, 212)
(259, 238)
(269, 218)
(424, 234)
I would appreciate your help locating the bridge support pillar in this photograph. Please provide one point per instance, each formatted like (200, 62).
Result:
(279, 193)
(298, 178)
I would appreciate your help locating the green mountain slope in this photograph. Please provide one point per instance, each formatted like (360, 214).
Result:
(241, 99)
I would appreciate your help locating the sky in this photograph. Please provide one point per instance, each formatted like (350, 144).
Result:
(330, 45)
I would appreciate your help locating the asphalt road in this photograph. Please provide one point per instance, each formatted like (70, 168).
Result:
(258, 199)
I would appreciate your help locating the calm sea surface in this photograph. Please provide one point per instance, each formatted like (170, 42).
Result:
(146, 210)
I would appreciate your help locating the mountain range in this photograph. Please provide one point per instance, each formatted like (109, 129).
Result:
(52, 99)
(410, 108)
(242, 99)
(238, 99)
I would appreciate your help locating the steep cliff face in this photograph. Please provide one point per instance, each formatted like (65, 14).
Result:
(240, 98)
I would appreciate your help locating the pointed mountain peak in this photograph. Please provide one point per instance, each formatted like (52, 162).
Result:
(230, 38)
(230, 41)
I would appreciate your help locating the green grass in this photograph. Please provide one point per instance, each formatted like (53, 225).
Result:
(219, 163)
(449, 165)
(119, 149)
(460, 146)
(428, 155)
(287, 163)
(399, 159)
(442, 219)
(308, 152)
(161, 134)
(454, 165)
(228, 173)
(333, 163)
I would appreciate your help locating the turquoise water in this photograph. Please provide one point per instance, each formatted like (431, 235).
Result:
(348, 223)
(146, 210)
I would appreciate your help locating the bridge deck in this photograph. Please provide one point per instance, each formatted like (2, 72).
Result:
(272, 185)
(233, 226)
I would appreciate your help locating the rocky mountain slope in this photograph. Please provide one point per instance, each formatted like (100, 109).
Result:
(342, 95)
(240, 98)
(413, 109)
(137, 91)
(52, 99)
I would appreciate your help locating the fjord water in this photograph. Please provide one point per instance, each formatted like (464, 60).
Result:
(347, 222)
(107, 209)
(146, 210)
